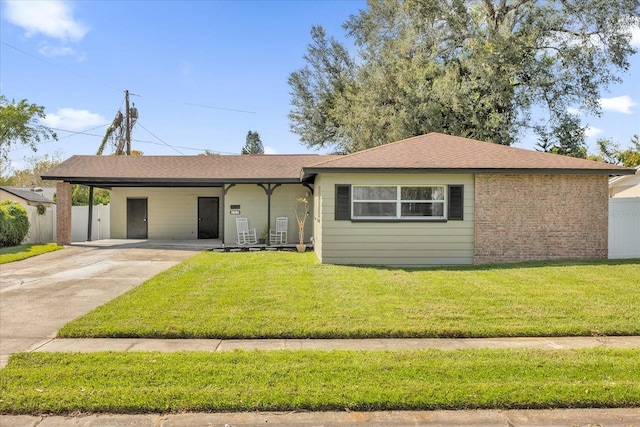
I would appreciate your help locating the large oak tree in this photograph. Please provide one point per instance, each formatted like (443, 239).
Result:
(474, 68)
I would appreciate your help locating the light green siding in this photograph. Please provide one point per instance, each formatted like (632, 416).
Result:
(406, 243)
(253, 206)
(172, 213)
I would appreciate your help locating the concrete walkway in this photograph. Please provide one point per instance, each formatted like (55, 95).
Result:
(170, 345)
(507, 418)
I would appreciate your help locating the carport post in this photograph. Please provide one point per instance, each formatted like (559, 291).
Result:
(63, 213)
(89, 223)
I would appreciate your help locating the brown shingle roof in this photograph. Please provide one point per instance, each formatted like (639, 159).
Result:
(28, 194)
(439, 152)
(183, 170)
(433, 152)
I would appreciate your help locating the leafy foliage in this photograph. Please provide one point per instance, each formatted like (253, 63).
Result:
(253, 144)
(19, 125)
(80, 196)
(631, 156)
(14, 223)
(567, 138)
(208, 152)
(610, 152)
(30, 175)
(473, 68)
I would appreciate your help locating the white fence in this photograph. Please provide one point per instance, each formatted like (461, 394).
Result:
(42, 228)
(100, 226)
(624, 227)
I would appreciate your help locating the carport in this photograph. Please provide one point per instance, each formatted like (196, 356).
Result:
(184, 197)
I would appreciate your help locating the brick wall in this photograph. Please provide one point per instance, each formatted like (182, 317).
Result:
(63, 213)
(537, 217)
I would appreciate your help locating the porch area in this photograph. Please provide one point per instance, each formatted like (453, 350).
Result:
(215, 245)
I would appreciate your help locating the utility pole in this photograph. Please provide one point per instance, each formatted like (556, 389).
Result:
(127, 123)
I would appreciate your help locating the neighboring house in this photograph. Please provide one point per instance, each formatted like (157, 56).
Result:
(428, 200)
(40, 210)
(25, 196)
(625, 186)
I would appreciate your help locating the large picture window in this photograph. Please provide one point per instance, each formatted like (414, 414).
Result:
(399, 202)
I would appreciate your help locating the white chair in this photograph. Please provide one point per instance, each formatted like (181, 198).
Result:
(246, 236)
(279, 235)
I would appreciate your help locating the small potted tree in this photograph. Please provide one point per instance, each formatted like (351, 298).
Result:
(263, 237)
(302, 211)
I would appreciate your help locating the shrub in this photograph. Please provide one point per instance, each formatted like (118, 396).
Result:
(14, 223)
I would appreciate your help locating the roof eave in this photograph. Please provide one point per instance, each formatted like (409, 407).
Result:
(309, 172)
(167, 182)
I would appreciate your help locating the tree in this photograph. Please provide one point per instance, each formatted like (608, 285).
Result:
(610, 152)
(14, 223)
(318, 88)
(30, 176)
(475, 68)
(566, 138)
(208, 152)
(631, 156)
(80, 196)
(19, 125)
(253, 144)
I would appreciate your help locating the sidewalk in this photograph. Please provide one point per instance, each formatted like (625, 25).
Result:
(169, 345)
(506, 418)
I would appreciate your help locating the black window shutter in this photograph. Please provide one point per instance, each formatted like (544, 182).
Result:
(456, 202)
(343, 202)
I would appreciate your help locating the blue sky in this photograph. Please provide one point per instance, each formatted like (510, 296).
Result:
(76, 58)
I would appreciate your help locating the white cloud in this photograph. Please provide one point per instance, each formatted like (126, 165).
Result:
(50, 50)
(575, 111)
(269, 150)
(72, 119)
(592, 132)
(52, 18)
(619, 104)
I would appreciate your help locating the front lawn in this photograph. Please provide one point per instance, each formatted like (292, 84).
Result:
(61, 383)
(16, 253)
(291, 295)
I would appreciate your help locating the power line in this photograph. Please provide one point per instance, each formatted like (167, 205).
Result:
(156, 137)
(57, 66)
(144, 141)
(120, 90)
(220, 108)
(84, 132)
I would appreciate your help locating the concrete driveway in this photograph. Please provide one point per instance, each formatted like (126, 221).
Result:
(41, 294)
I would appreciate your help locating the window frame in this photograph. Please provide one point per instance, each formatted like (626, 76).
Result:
(398, 202)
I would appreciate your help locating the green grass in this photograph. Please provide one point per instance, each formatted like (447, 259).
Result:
(290, 295)
(62, 383)
(16, 253)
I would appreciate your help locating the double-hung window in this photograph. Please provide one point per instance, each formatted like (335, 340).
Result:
(398, 202)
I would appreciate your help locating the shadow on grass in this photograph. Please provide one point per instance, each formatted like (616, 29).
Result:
(511, 265)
